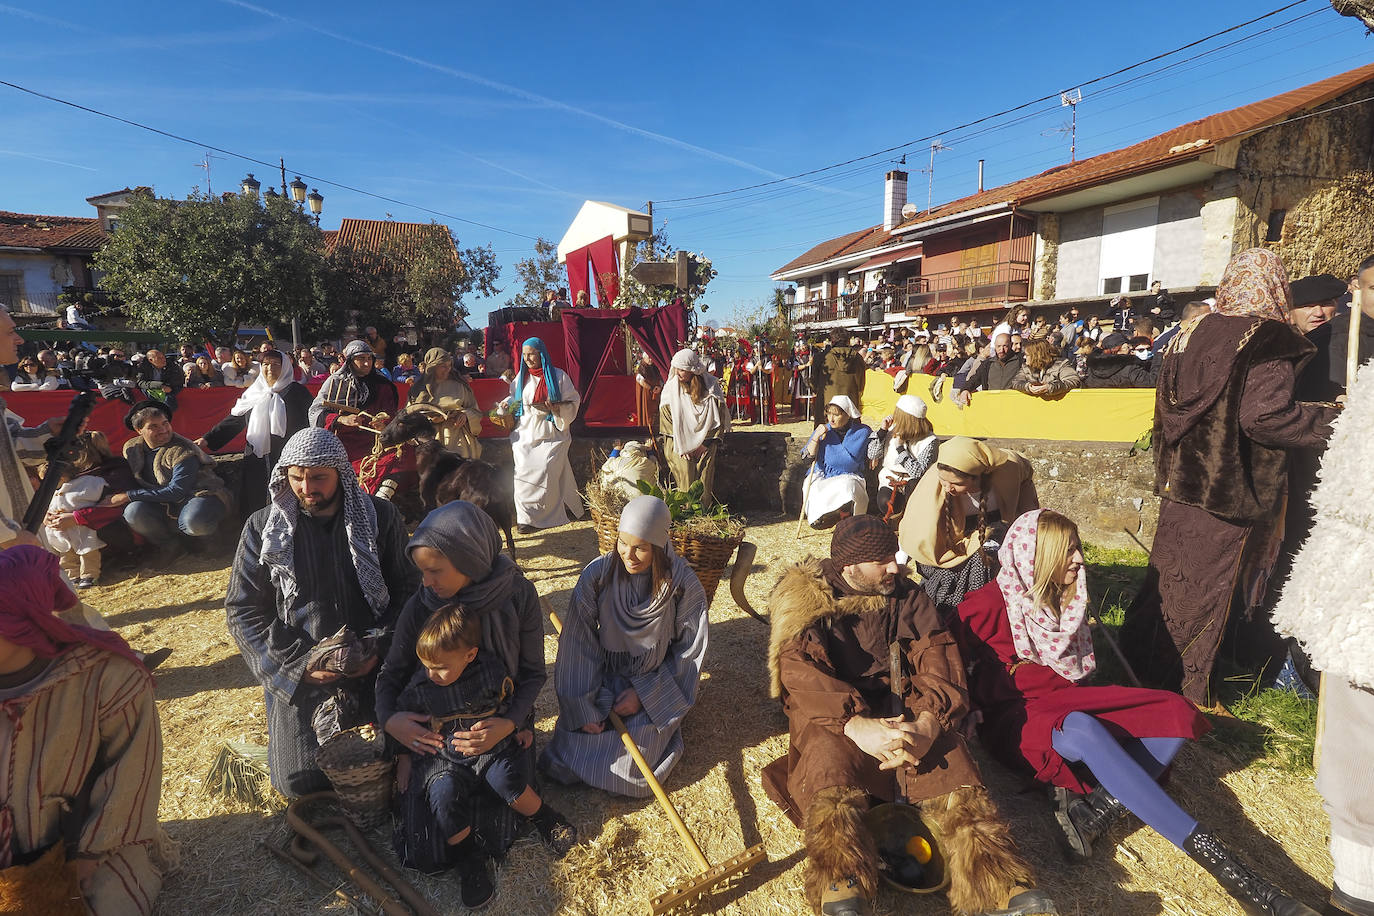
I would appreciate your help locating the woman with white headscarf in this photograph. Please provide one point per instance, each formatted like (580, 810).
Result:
(544, 404)
(836, 487)
(272, 410)
(694, 419)
(634, 641)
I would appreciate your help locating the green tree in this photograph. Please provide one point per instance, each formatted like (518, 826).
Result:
(424, 278)
(537, 274)
(208, 265)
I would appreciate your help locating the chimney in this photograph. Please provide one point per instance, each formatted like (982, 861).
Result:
(894, 198)
(980, 176)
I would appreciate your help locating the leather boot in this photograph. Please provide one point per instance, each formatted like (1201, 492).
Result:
(841, 875)
(1342, 904)
(1085, 818)
(1255, 895)
(843, 897)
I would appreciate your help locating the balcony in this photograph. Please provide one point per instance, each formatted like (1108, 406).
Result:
(968, 288)
(51, 304)
(821, 311)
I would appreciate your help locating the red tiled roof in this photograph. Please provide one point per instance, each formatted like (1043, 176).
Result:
(853, 243)
(88, 238)
(29, 230)
(375, 235)
(1169, 148)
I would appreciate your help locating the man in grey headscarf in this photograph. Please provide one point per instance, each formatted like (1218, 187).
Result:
(322, 556)
(355, 389)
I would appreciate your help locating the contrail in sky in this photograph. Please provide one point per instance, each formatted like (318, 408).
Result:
(11, 152)
(524, 94)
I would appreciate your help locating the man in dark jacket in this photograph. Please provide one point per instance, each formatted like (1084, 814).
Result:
(844, 370)
(157, 379)
(1117, 366)
(993, 374)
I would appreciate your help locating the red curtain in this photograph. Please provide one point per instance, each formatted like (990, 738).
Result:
(577, 274)
(606, 269)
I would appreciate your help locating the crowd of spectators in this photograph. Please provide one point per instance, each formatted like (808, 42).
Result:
(132, 373)
(162, 494)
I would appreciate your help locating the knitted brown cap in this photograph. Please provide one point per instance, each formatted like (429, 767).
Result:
(862, 539)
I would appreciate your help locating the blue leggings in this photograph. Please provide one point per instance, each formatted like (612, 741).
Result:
(1128, 769)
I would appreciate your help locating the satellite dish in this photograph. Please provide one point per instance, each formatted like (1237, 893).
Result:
(909, 210)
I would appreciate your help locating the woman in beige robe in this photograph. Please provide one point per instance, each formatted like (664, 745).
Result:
(447, 390)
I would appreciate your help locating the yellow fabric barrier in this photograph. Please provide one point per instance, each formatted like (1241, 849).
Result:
(1084, 414)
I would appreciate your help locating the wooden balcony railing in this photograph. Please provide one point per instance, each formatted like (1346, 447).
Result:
(969, 287)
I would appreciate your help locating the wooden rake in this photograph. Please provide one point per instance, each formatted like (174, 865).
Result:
(683, 894)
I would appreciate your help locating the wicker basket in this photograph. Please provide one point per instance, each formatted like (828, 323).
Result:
(708, 556)
(355, 762)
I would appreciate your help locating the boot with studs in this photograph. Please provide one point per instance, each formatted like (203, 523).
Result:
(1255, 895)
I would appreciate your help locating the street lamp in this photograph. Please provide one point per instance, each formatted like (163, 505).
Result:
(316, 202)
(298, 190)
(250, 186)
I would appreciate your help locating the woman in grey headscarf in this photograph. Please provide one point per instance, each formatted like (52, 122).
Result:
(457, 549)
(634, 641)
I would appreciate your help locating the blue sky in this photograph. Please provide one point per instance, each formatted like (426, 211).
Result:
(512, 114)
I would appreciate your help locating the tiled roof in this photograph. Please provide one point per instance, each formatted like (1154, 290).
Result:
(1175, 146)
(88, 238)
(29, 230)
(374, 235)
(853, 243)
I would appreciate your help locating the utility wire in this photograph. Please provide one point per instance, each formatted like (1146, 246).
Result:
(1007, 111)
(271, 165)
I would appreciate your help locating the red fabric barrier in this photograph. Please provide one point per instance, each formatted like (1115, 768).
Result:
(199, 409)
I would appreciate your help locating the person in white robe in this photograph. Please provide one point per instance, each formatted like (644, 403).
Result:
(694, 419)
(634, 642)
(544, 404)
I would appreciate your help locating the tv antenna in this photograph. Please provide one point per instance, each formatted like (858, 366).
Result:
(1070, 101)
(935, 147)
(205, 164)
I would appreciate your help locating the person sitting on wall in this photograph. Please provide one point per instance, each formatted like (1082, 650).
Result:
(179, 500)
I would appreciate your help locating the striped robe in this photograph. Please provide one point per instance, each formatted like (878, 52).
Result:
(276, 641)
(84, 736)
(587, 678)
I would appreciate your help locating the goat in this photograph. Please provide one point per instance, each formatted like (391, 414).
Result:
(445, 476)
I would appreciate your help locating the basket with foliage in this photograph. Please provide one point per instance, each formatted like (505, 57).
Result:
(706, 537)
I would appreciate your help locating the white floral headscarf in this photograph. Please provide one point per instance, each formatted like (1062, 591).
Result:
(1064, 643)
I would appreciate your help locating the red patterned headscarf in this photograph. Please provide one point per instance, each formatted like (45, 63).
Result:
(34, 591)
(1255, 285)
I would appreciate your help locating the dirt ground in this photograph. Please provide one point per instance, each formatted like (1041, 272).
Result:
(629, 852)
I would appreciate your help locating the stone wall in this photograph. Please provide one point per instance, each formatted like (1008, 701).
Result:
(1109, 493)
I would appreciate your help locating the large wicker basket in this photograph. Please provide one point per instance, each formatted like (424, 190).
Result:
(708, 556)
(356, 763)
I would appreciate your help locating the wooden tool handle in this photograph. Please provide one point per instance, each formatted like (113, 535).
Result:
(648, 772)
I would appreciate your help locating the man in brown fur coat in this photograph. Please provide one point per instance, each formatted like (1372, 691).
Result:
(855, 739)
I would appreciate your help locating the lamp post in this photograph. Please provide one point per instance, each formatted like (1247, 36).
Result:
(297, 195)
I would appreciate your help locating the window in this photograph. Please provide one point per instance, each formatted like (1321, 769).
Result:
(1111, 286)
(1128, 242)
(1274, 231)
(1139, 282)
(12, 291)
